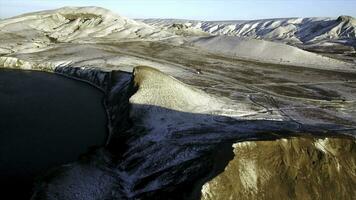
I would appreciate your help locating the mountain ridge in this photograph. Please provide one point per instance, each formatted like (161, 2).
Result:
(62, 24)
(295, 30)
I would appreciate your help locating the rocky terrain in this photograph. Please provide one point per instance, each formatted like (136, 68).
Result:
(307, 169)
(196, 116)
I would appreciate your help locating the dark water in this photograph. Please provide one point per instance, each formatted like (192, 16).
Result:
(45, 120)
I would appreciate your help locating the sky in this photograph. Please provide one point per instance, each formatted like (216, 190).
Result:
(195, 9)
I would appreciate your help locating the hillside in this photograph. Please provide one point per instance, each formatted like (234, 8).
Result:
(37, 30)
(187, 113)
(266, 51)
(295, 30)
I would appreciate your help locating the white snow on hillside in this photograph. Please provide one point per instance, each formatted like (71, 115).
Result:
(71, 24)
(297, 30)
(52, 33)
(266, 51)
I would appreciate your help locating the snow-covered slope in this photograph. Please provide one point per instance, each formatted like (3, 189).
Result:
(297, 30)
(262, 50)
(71, 24)
(40, 31)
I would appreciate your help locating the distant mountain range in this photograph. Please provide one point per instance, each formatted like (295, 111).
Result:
(292, 30)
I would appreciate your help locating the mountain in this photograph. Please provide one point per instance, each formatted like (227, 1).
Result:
(294, 30)
(40, 30)
(71, 24)
(189, 114)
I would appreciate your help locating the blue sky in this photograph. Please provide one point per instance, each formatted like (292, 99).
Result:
(195, 9)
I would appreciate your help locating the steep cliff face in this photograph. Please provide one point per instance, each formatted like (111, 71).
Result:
(164, 146)
(296, 168)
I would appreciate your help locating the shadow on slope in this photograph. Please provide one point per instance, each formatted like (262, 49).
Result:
(164, 154)
(173, 155)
